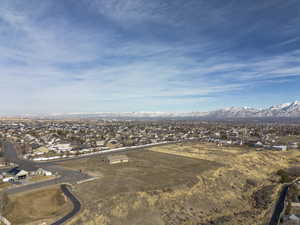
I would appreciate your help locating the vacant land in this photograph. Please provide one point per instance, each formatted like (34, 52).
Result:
(4, 185)
(290, 138)
(37, 207)
(182, 184)
(40, 178)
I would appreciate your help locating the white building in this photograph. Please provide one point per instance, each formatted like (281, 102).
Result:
(43, 172)
(280, 147)
(60, 147)
(114, 159)
(7, 179)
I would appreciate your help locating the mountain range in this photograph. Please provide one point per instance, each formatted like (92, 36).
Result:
(282, 110)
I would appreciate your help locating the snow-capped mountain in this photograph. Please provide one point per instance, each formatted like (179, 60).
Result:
(132, 114)
(239, 112)
(282, 110)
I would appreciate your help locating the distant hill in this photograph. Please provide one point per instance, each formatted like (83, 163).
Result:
(287, 110)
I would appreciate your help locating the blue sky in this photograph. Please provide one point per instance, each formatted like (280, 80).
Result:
(138, 55)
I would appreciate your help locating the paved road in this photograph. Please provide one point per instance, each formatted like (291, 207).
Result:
(76, 206)
(65, 175)
(279, 206)
(69, 177)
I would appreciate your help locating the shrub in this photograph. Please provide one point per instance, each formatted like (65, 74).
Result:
(284, 176)
(251, 182)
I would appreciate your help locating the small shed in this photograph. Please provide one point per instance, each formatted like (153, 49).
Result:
(114, 159)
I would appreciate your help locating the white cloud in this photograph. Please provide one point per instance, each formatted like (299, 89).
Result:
(58, 66)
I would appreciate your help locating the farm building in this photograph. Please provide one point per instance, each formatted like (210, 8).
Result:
(114, 159)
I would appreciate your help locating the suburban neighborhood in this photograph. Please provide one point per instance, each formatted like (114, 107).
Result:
(50, 140)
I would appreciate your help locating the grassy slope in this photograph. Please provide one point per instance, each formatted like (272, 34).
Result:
(191, 184)
(41, 205)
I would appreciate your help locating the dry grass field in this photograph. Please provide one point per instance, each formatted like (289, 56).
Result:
(183, 184)
(4, 185)
(36, 207)
(40, 178)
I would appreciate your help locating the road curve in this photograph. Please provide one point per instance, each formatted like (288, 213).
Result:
(76, 206)
(68, 176)
(65, 175)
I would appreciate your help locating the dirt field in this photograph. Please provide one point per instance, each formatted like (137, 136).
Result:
(184, 184)
(4, 185)
(36, 207)
(40, 178)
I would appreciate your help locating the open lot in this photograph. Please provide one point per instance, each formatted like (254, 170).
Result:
(145, 170)
(40, 178)
(4, 185)
(36, 207)
(191, 183)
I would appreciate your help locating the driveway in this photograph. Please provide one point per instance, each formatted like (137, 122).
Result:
(76, 206)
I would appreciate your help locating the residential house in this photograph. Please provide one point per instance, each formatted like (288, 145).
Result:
(43, 172)
(18, 173)
(279, 147)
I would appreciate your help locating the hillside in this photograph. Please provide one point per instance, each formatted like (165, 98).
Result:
(184, 184)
